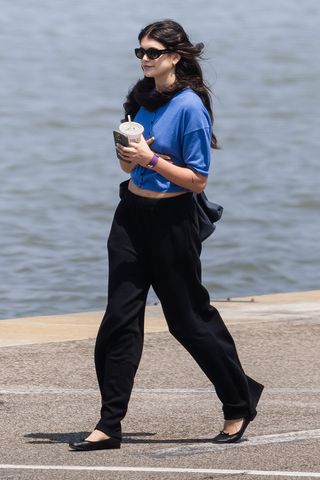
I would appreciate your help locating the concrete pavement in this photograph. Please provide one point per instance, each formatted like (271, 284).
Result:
(48, 396)
(79, 326)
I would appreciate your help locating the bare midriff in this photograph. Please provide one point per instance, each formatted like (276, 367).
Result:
(141, 192)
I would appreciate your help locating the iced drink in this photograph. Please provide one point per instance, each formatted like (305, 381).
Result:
(132, 130)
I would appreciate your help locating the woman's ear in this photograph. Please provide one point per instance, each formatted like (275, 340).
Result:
(175, 58)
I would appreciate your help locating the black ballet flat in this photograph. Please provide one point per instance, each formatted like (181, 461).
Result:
(224, 437)
(87, 446)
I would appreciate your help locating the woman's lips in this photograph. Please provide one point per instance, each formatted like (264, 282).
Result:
(147, 67)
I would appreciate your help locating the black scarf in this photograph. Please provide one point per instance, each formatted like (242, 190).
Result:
(144, 94)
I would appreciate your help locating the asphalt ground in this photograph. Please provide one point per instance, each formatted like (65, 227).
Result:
(49, 396)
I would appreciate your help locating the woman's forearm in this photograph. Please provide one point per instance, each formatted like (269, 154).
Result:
(184, 177)
(140, 153)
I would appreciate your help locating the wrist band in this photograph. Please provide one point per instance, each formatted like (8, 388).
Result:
(153, 162)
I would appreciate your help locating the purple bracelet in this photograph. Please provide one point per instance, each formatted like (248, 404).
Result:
(153, 162)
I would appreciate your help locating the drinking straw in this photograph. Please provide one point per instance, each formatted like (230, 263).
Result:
(129, 120)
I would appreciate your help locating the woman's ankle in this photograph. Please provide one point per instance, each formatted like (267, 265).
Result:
(97, 436)
(233, 426)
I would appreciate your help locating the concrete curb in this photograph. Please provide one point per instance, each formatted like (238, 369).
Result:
(79, 326)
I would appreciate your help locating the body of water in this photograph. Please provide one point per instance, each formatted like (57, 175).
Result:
(65, 68)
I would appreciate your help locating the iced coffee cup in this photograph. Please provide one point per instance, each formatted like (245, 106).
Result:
(132, 130)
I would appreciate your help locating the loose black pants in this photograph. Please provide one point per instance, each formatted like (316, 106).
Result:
(156, 243)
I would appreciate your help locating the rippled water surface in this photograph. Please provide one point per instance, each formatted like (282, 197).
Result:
(65, 68)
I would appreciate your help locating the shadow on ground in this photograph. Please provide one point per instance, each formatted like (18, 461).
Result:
(133, 438)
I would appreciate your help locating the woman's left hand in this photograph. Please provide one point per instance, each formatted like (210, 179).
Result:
(139, 153)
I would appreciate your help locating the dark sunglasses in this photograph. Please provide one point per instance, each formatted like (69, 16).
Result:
(152, 53)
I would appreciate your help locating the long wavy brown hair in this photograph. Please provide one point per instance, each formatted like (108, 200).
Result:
(188, 71)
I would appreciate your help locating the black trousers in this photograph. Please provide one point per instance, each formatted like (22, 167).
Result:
(156, 243)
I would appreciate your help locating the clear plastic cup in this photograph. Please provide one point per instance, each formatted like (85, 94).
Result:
(132, 130)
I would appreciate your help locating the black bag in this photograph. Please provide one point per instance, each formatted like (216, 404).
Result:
(208, 214)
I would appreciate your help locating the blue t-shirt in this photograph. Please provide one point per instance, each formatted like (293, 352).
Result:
(182, 129)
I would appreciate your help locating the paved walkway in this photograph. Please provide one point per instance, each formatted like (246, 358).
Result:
(48, 396)
(79, 326)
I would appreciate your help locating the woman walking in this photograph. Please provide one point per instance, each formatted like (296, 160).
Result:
(154, 240)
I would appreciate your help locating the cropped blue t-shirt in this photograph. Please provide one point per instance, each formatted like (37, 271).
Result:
(182, 129)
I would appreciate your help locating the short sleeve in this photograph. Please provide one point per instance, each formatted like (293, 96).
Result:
(196, 150)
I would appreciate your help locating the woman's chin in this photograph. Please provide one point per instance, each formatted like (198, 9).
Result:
(148, 73)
